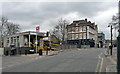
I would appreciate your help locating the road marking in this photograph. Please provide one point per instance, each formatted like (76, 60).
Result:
(97, 67)
(101, 66)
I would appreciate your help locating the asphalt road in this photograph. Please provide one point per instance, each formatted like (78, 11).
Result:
(79, 60)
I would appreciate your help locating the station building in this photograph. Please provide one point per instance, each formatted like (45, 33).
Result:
(23, 41)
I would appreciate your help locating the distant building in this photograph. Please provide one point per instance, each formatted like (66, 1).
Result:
(101, 39)
(54, 39)
(82, 32)
(108, 42)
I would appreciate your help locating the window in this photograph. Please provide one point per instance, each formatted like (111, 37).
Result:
(76, 24)
(72, 36)
(7, 41)
(84, 35)
(80, 29)
(76, 29)
(76, 36)
(69, 36)
(73, 30)
(80, 36)
(11, 40)
(84, 29)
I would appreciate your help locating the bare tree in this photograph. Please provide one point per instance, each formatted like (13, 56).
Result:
(7, 28)
(115, 21)
(60, 30)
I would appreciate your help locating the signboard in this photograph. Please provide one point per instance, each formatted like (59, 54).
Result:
(37, 28)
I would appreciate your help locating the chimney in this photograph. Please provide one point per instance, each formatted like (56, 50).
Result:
(86, 19)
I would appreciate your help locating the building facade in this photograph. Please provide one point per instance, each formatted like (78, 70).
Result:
(82, 32)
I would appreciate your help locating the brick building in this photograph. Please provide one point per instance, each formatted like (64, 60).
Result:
(82, 32)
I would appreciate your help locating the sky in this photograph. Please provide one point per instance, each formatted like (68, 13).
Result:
(46, 14)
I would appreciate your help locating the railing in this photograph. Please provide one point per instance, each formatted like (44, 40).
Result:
(66, 46)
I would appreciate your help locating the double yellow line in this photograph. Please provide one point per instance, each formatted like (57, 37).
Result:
(101, 64)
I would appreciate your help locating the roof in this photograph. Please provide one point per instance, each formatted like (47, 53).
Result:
(28, 33)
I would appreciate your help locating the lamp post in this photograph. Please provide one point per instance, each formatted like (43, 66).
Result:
(110, 25)
(118, 44)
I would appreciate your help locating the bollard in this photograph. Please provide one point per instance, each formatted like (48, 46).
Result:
(40, 52)
(47, 51)
(25, 52)
(20, 52)
(7, 53)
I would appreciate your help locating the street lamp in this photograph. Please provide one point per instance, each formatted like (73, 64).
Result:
(118, 44)
(110, 25)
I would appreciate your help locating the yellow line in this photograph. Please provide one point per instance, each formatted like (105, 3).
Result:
(97, 67)
(101, 66)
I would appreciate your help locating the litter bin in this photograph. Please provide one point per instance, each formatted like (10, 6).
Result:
(40, 52)
(25, 52)
(7, 53)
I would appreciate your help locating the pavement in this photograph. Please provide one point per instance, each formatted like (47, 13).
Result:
(111, 61)
(77, 60)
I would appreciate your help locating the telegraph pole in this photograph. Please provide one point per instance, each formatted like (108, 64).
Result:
(110, 25)
(111, 40)
(118, 44)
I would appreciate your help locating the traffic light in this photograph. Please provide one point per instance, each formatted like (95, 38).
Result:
(47, 34)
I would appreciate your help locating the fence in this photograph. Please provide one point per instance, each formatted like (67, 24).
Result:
(66, 46)
(19, 50)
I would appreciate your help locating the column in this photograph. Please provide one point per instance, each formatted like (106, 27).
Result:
(29, 40)
(16, 42)
(36, 42)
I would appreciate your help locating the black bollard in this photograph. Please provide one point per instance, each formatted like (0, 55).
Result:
(25, 52)
(40, 52)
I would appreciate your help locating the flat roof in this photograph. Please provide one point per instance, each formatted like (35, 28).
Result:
(28, 33)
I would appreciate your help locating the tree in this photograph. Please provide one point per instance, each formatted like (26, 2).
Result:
(60, 30)
(115, 21)
(7, 28)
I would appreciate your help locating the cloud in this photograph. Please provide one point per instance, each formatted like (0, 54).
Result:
(58, 0)
(46, 14)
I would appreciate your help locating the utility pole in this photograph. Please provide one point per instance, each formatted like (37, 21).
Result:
(111, 40)
(110, 25)
(118, 44)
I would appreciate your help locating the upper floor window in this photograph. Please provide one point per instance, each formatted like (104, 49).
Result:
(84, 28)
(76, 24)
(80, 29)
(76, 29)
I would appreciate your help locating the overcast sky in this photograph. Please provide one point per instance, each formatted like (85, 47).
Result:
(47, 14)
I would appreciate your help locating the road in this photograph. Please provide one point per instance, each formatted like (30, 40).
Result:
(79, 60)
